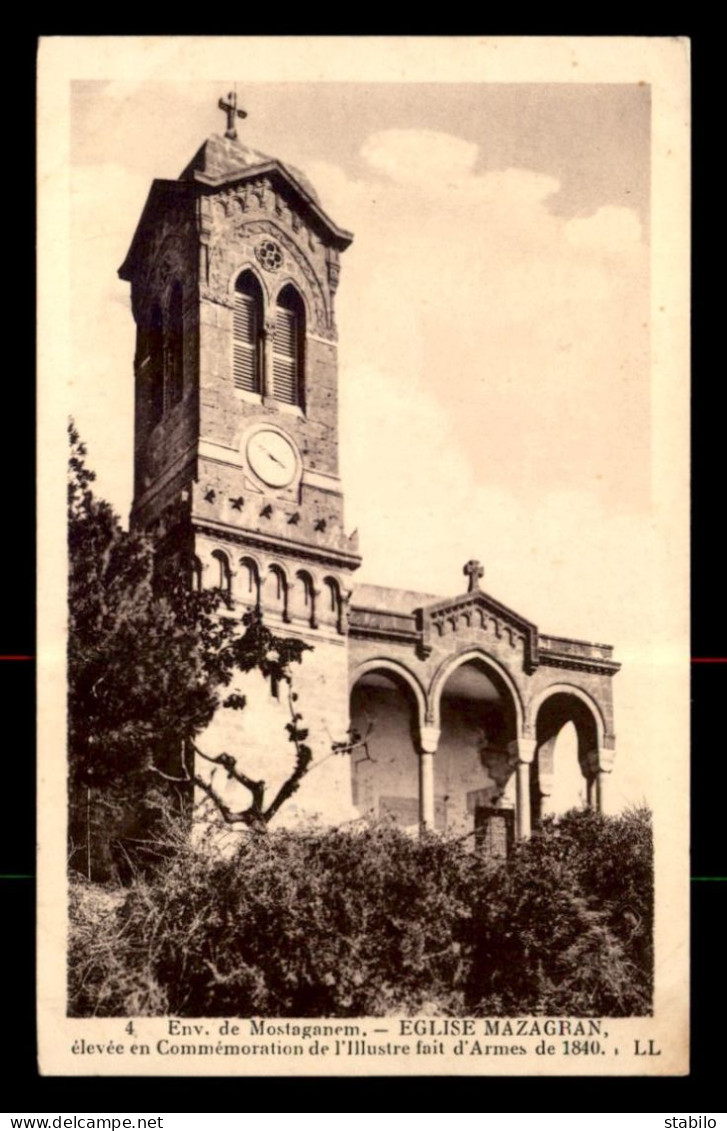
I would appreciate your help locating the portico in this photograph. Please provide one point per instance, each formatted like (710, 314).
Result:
(462, 702)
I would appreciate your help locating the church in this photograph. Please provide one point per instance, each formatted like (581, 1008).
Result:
(448, 707)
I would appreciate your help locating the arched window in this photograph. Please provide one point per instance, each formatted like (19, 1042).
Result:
(288, 347)
(331, 595)
(174, 376)
(304, 598)
(155, 366)
(330, 604)
(277, 591)
(248, 589)
(223, 580)
(247, 325)
(196, 572)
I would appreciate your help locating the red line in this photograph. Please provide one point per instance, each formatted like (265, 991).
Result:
(17, 657)
(709, 659)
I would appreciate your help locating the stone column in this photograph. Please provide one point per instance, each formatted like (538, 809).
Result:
(428, 742)
(602, 779)
(523, 800)
(314, 596)
(546, 776)
(268, 341)
(600, 763)
(523, 749)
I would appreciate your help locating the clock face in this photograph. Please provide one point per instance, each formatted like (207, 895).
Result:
(272, 457)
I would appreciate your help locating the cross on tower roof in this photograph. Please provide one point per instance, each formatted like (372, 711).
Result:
(230, 108)
(474, 571)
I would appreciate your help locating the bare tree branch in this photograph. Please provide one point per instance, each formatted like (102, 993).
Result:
(256, 815)
(168, 777)
(250, 817)
(229, 764)
(304, 756)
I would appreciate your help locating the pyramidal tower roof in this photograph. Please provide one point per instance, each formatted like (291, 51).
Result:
(224, 160)
(221, 159)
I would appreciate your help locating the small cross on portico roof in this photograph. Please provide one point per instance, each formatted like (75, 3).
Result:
(230, 108)
(474, 571)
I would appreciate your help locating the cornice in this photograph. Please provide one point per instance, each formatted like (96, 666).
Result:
(340, 236)
(323, 555)
(374, 632)
(432, 618)
(574, 664)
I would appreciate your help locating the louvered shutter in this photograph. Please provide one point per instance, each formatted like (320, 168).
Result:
(246, 365)
(285, 356)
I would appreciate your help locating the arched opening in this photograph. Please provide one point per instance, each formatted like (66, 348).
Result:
(222, 578)
(385, 769)
(474, 766)
(302, 599)
(196, 574)
(248, 583)
(330, 604)
(566, 732)
(247, 334)
(275, 594)
(288, 362)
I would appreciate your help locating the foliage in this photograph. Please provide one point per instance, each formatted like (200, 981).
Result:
(367, 921)
(568, 923)
(149, 660)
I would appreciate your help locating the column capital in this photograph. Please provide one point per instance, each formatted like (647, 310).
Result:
(429, 739)
(606, 760)
(522, 749)
(599, 761)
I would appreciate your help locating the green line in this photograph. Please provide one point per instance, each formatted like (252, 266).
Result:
(12, 876)
(716, 879)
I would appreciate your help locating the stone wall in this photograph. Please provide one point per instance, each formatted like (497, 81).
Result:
(256, 736)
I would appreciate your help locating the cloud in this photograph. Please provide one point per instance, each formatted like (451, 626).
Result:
(93, 188)
(609, 230)
(532, 341)
(569, 564)
(106, 201)
(568, 557)
(419, 157)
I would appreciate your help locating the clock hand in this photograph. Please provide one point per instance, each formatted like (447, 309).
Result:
(272, 457)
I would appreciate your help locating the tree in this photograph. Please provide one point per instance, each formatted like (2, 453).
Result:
(149, 660)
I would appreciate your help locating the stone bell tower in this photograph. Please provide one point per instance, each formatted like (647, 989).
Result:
(233, 270)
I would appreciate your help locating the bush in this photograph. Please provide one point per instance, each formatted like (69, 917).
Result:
(370, 922)
(566, 927)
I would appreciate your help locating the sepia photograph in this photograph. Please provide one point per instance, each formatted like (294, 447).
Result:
(364, 393)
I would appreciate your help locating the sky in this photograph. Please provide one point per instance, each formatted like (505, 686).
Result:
(494, 326)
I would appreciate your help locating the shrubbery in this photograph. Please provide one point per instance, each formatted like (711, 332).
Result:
(370, 922)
